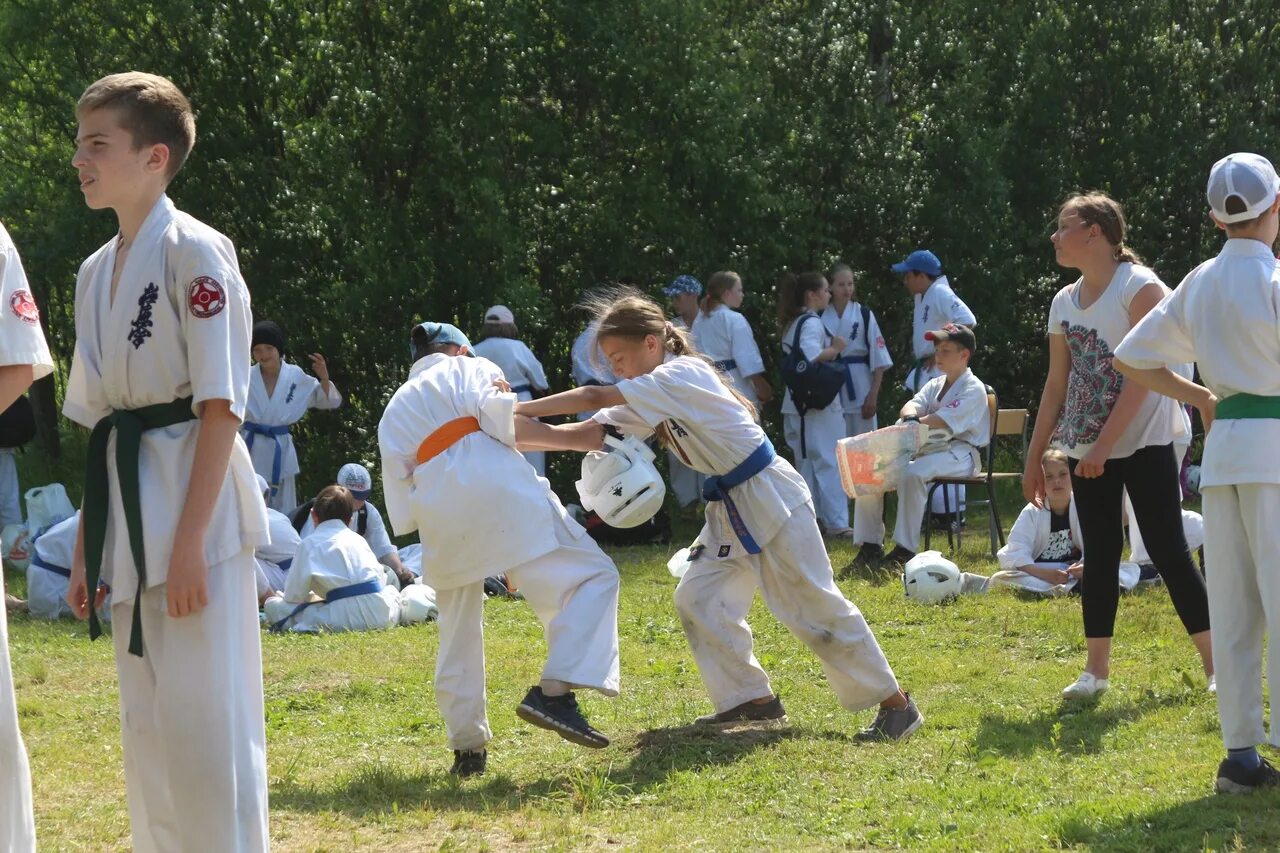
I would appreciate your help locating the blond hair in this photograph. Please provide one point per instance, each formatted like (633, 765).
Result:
(716, 286)
(626, 313)
(151, 108)
(1053, 454)
(1098, 208)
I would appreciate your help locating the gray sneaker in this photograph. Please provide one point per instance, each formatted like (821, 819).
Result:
(894, 723)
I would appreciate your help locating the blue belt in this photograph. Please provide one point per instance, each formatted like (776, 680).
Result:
(50, 567)
(285, 564)
(717, 489)
(250, 430)
(727, 365)
(848, 375)
(520, 389)
(363, 588)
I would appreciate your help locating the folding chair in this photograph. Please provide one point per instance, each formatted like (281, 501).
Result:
(1004, 422)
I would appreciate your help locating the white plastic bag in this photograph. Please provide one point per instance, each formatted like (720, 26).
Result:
(679, 563)
(46, 506)
(872, 463)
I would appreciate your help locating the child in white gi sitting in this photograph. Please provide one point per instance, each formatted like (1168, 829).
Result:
(336, 565)
(955, 402)
(49, 572)
(1044, 553)
(272, 561)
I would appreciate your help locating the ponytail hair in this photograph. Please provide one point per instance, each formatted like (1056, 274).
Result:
(792, 290)
(716, 287)
(627, 313)
(1098, 208)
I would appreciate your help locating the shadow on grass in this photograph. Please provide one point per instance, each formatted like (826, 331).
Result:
(653, 756)
(1249, 821)
(1076, 727)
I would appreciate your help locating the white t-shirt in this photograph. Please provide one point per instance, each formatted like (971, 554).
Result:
(1225, 316)
(1092, 335)
(712, 433)
(935, 308)
(518, 364)
(724, 336)
(814, 338)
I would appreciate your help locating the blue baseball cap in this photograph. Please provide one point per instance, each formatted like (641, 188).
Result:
(683, 284)
(921, 260)
(441, 333)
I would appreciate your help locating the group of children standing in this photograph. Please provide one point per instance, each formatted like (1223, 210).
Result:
(161, 375)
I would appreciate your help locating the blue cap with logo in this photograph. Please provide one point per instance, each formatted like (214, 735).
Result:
(921, 260)
(683, 284)
(441, 333)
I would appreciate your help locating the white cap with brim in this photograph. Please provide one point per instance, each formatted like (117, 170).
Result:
(500, 314)
(1248, 177)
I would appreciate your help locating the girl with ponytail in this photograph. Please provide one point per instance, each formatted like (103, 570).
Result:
(761, 531)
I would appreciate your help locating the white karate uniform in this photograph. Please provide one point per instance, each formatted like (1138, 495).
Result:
(523, 370)
(481, 510)
(725, 337)
(375, 531)
(862, 342)
(274, 558)
(822, 429)
(709, 428)
(964, 409)
(932, 310)
(191, 708)
(686, 483)
(46, 588)
(1224, 317)
(588, 365)
(1030, 539)
(331, 558)
(21, 342)
(296, 391)
(10, 489)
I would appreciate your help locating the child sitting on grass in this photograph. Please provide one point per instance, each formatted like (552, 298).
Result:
(1045, 551)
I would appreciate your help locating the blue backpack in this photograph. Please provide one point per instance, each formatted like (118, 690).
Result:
(813, 384)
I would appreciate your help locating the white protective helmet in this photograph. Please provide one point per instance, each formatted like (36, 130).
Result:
(621, 485)
(931, 578)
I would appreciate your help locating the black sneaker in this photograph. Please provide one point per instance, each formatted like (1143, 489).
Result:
(894, 723)
(559, 714)
(1147, 574)
(469, 762)
(865, 562)
(748, 712)
(1235, 778)
(898, 557)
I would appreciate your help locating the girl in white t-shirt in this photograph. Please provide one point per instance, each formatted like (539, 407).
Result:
(721, 333)
(760, 533)
(1118, 435)
(812, 438)
(499, 341)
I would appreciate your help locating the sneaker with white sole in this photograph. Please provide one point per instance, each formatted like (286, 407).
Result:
(1213, 684)
(560, 714)
(1087, 686)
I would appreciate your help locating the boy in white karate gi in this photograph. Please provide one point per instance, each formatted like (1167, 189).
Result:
(366, 520)
(161, 376)
(956, 402)
(273, 559)
(335, 564)
(452, 472)
(1224, 316)
(280, 393)
(24, 358)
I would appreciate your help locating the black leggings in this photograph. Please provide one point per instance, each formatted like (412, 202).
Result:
(1151, 477)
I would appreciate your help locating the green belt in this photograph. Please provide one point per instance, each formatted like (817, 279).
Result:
(1247, 407)
(129, 426)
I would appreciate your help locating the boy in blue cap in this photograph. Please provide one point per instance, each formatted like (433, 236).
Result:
(936, 305)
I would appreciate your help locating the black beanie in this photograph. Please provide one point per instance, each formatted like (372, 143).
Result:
(267, 332)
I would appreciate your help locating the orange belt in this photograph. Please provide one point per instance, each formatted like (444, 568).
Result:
(445, 437)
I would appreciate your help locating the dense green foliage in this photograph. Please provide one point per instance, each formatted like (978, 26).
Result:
(382, 161)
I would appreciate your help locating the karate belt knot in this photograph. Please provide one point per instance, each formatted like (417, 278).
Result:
(277, 433)
(337, 594)
(716, 488)
(1247, 407)
(847, 360)
(128, 425)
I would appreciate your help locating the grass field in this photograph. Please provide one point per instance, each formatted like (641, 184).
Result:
(357, 755)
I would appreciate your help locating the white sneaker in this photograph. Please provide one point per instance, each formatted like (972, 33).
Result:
(1086, 686)
(1213, 684)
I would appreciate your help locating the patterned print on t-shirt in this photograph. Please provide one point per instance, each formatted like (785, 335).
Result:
(1060, 548)
(1092, 386)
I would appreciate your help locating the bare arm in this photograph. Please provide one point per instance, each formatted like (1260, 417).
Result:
(1164, 381)
(15, 379)
(1047, 416)
(188, 574)
(535, 435)
(583, 399)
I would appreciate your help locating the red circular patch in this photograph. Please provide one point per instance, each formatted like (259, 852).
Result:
(206, 298)
(24, 307)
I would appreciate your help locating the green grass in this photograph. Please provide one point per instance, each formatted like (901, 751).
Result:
(358, 760)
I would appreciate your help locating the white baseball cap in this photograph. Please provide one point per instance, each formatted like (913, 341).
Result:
(357, 479)
(1250, 178)
(499, 314)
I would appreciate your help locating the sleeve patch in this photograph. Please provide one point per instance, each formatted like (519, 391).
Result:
(206, 298)
(24, 307)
